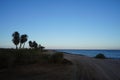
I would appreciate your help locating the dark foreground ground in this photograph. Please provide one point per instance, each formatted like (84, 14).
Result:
(83, 68)
(38, 72)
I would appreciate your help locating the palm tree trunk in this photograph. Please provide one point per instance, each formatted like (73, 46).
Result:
(16, 47)
(20, 45)
(23, 45)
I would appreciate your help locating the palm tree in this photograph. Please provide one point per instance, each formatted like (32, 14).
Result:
(16, 38)
(23, 39)
(30, 44)
(35, 45)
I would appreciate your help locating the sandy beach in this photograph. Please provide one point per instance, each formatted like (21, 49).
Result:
(86, 68)
(83, 68)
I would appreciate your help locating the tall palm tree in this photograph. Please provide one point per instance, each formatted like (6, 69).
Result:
(23, 39)
(16, 38)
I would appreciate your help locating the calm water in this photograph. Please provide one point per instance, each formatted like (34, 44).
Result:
(92, 53)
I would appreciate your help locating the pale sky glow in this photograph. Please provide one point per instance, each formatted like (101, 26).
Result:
(64, 24)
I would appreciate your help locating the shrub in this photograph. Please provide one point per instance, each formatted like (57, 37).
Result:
(26, 56)
(57, 57)
(100, 55)
(44, 58)
(12, 57)
(6, 58)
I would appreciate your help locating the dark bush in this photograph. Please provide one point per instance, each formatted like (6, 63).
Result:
(26, 56)
(11, 57)
(100, 55)
(57, 57)
(45, 58)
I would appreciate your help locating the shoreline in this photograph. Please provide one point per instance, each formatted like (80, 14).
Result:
(87, 55)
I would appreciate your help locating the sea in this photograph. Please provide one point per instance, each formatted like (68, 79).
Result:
(92, 53)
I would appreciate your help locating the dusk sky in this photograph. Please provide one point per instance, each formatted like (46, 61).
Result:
(62, 24)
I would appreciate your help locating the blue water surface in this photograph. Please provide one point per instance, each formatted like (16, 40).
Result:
(92, 53)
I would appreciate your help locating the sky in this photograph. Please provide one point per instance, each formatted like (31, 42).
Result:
(62, 24)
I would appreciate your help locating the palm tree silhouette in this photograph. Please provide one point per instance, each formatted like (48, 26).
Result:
(35, 45)
(23, 39)
(30, 44)
(16, 38)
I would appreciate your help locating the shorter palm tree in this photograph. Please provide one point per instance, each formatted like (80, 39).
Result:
(35, 44)
(30, 44)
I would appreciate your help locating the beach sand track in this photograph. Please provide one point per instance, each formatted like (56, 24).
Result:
(86, 68)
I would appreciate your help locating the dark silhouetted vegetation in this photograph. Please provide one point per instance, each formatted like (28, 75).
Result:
(19, 39)
(33, 44)
(36, 53)
(100, 56)
(57, 57)
(30, 44)
(13, 57)
(23, 39)
(16, 38)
